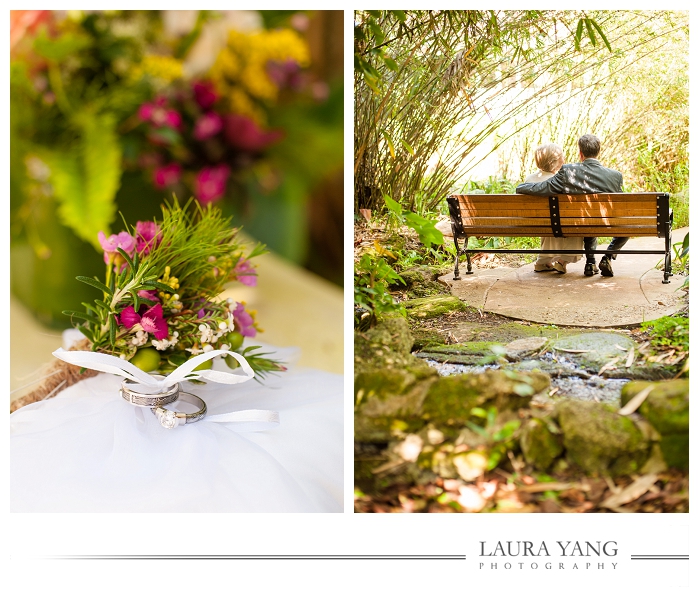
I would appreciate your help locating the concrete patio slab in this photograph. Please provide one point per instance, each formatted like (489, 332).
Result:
(633, 295)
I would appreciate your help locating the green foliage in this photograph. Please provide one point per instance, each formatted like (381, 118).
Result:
(424, 227)
(679, 202)
(668, 332)
(426, 83)
(372, 277)
(490, 186)
(498, 438)
(85, 177)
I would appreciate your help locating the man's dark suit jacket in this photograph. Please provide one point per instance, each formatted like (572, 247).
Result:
(575, 179)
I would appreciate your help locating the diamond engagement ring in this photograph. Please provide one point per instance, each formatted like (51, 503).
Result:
(171, 419)
(134, 394)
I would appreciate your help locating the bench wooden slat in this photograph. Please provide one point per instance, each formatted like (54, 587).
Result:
(501, 222)
(607, 210)
(496, 212)
(616, 231)
(649, 221)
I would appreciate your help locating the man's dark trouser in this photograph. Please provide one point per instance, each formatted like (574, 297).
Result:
(591, 245)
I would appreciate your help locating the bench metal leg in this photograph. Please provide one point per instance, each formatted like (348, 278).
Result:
(456, 261)
(468, 263)
(668, 253)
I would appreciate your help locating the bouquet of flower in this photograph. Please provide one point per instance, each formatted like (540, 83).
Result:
(159, 305)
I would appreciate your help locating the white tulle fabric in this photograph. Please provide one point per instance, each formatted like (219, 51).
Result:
(88, 450)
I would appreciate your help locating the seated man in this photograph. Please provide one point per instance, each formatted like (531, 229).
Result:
(587, 176)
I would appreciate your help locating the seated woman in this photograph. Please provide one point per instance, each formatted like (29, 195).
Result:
(549, 159)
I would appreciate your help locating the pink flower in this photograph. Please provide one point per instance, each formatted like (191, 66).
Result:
(244, 322)
(148, 236)
(172, 119)
(243, 133)
(157, 114)
(245, 273)
(151, 321)
(208, 125)
(285, 74)
(150, 295)
(167, 175)
(210, 183)
(205, 94)
(145, 112)
(110, 244)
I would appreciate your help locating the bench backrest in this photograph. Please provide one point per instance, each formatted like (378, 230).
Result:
(594, 215)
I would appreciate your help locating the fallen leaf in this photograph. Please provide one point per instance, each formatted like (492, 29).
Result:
(608, 366)
(630, 358)
(633, 491)
(636, 401)
(365, 213)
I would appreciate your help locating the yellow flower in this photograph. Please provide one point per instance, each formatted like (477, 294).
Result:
(240, 70)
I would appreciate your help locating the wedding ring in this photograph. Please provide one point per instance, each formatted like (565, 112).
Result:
(130, 393)
(171, 419)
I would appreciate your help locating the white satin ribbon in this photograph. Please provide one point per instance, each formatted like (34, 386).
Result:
(254, 419)
(115, 365)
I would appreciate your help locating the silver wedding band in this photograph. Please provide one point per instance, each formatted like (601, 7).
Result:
(143, 399)
(171, 419)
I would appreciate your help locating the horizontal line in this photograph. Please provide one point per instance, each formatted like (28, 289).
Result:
(659, 558)
(658, 555)
(264, 557)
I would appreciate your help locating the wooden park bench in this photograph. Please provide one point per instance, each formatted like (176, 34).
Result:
(593, 215)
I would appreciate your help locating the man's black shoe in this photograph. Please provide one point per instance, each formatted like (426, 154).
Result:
(605, 267)
(591, 269)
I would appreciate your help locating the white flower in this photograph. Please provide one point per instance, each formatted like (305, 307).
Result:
(223, 326)
(194, 351)
(140, 339)
(208, 348)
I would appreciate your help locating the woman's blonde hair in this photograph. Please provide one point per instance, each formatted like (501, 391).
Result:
(549, 157)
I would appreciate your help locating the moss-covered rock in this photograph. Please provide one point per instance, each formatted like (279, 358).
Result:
(449, 400)
(599, 348)
(599, 440)
(666, 407)
(431, 307)
(423, 337)
(389, 400)
(675, 449)
(421, 281)
(388, 344)
(667, 410)
(539, 444)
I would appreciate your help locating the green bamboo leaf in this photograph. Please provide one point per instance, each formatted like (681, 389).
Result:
(407, 146)
(390, 63)
(578, 34)
(399, 14)
(389, 142)
(377, 31)
(85, 177)
(94, 283)
(590, 32)
(601, 34)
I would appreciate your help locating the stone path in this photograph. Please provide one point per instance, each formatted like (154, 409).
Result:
(633, 295)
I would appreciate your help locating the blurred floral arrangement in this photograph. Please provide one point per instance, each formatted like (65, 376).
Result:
(112, 111)
(159, 305)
